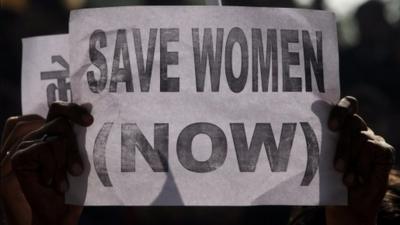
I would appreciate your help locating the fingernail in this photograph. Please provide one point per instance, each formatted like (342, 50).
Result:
(87, 118)
(63, 187)
(340, 165)
(76, 169)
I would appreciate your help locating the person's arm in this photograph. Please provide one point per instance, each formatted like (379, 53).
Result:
(365, 160)
(36, 155)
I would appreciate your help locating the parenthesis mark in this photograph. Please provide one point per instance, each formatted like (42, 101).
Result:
(99, 154)
(312, 153)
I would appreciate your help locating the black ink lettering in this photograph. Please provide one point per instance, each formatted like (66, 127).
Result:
(218, 149)
(62, 87)
(316, 62)
(312, 154)
(99, 154)
(98, 60)
(289, 84)
(200, 62)
(124, 74)
(236, 35)
(168, 84)
(247, 156)
(267, 63)
(145, 72)
(132, 138)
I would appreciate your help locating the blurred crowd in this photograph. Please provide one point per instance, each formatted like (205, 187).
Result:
(369, 70)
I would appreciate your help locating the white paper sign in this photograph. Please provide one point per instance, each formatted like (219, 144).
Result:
(206, 106)
(45, 73)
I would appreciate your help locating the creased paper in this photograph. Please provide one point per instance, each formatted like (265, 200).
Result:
(205, 106)
(45, 73)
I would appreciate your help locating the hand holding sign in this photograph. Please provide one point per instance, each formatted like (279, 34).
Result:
(368, 166)
(14, 130)
(42, 152)
(365, 159)
(182, 107)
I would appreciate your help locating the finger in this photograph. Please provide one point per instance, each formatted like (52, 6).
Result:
(365, 159)
(74, 161)
(347, 106)
(26, 144)
(60, 127)
(48, 166)
(349, 142)
(341, 154)
(57, 127)
(374, 161)
(30, 158)
(351, 160)
(26, 164)
(61, 182)
(349, 179)
(355, 124)
(47, 159)
(12, 121)
(383, 152)
(21, 129)
(5, 162)
(382, 164)
(16, 147)
(71, 111)
(59, 147)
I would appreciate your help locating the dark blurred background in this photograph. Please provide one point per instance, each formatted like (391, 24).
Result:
(369, 48)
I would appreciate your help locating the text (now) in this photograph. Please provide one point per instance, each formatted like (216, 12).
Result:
(133, 140)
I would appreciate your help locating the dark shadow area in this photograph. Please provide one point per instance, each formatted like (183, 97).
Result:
(273, 215)
(81, 182)
(169, 194)
(317, 107)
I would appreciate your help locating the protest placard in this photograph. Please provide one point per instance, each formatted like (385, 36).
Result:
(44, 73)
(205, 106)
